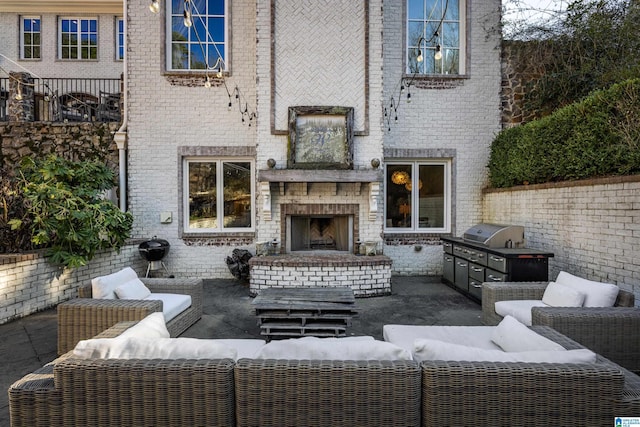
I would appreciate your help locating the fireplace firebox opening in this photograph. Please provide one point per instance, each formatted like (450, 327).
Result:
(320, 233)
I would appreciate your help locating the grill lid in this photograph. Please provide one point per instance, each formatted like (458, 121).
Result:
(495, 235)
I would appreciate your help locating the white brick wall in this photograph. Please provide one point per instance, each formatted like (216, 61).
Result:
(464, 118)
(49, 65)
(164, 117)
(32, 284)
(593, 230)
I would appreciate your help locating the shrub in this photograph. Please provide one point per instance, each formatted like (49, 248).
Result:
(599, 136)
(66, 211)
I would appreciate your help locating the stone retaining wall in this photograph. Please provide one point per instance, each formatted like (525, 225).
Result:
(73, 141)
(366, 275)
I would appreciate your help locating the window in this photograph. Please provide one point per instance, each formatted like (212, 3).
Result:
(30, 37)
(198, 30)
(78, 38)
(119, 39)
(418, 196)
(435, 37)
(218, 195)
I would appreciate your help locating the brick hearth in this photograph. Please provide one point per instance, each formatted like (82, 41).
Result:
(366, 275)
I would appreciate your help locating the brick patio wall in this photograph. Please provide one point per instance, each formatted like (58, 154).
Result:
(592, 226)
(28, 283)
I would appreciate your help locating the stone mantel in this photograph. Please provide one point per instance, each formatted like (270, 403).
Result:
(373, 177)
(317, 175)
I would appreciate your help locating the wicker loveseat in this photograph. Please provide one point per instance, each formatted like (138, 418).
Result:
(609, 331)
(108, 392)
(85, 317)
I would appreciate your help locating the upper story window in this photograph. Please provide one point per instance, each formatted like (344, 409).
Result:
(436, 37)
(78, 38)
(418, 196)
(198, 35)
(218, 195)
(30, 37)
(119, 39)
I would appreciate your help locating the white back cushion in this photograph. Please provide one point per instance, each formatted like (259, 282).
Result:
(351, 348)
(133, 289)
(597, 294)
(158, 348)
(104, 287)
(511, 335)
(520, 309)
(474, 336)
(152, 326)
(425, 349)
(559, 295)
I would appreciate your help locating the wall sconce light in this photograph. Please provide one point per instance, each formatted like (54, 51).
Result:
(154, 6)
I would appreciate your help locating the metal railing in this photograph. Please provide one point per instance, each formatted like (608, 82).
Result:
(69, 99)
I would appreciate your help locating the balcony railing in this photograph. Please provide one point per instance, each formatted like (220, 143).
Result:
(69, 99)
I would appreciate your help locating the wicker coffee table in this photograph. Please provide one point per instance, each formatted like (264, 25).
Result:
(296, 312)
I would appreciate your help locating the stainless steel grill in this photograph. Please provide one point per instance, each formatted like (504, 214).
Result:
(496, 236)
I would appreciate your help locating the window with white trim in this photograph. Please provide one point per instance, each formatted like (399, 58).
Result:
(418, 196)
(30, 37)
(78, 38)
(196, 35)
(119, 39)
(436, 37)
(218, 195)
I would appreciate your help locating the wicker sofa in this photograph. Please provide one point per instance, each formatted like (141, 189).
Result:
(609, 331)
(108, 392)
(85, 317)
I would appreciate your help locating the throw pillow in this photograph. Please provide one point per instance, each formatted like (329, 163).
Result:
(133, 289)
(159, 348)
(104, 287)
(559, 295)
(425, 349)
(597, 294)
(512, 336)
(152, 326)
(351, 348)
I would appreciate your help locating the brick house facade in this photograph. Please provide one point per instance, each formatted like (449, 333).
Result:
(287, 59)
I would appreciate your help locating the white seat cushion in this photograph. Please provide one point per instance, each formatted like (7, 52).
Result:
(157, 348)
(104, 287)
(245, 348)
(172, 304)
(438, 350)
(520, 309)
(511, 335)
(597, 294)
(405, 335)
(312, 348)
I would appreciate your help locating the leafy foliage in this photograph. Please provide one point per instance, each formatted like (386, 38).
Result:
(66, 213)
(599, 136)
(12, 239)
(594, 45)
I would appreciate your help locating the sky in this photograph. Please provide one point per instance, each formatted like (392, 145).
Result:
(531, 9)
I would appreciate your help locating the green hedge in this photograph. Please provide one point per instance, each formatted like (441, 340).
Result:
(598, 136)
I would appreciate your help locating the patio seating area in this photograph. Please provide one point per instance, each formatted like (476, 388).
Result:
(601, 389)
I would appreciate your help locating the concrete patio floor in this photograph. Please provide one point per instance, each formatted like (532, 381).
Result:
(27, 344)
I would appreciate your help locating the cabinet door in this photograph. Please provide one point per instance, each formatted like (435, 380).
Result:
(462, 274)
(448, 267)
(476, 272)
(475, 288)
(496, 262)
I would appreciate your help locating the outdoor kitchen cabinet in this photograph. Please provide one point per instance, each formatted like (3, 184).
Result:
(467, 265)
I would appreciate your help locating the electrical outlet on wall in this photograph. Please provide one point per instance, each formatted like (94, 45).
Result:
(166, 217)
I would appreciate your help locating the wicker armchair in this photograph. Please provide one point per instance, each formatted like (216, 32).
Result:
(85, 317)
(536, 394)
(612, 332)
